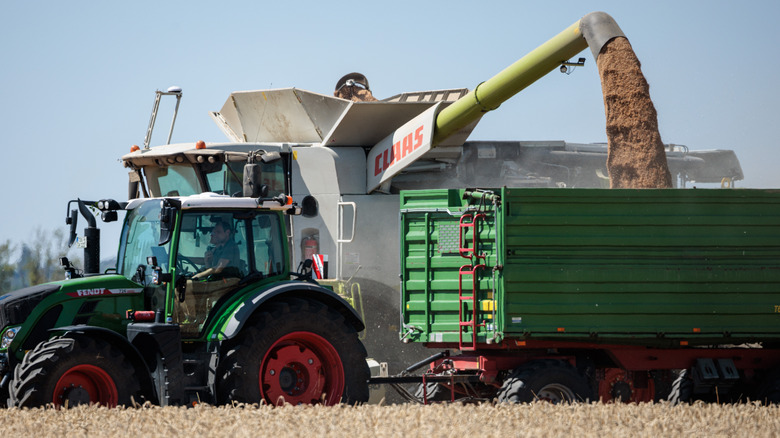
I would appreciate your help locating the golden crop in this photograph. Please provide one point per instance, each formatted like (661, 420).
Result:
(441, 420)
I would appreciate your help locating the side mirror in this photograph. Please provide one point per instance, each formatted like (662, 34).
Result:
(309, 206)
(253, 182)
(167, 223)
(72, 220)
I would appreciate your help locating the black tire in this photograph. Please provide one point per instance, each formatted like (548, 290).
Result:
(278, 354)
(71, 371)
(682, 388)
(549, 380)
(662, 381)
(434, 392)
(769, 390)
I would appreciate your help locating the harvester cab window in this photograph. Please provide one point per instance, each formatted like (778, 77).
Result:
(228, 179)
(172, 180)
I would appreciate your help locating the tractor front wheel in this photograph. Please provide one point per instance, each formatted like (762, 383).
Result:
(72, 371)
(296, 352)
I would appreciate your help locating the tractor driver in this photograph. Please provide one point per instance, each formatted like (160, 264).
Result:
(222, 253)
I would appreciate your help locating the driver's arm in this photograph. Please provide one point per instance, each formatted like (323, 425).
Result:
(223, 263)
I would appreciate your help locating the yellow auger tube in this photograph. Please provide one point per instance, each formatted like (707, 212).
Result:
(488, 95)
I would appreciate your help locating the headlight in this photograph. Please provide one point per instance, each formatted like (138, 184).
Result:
(8, 336)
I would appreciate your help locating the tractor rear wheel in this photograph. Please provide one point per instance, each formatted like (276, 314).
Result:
(71, 371)
(554, 381)
(298, 352)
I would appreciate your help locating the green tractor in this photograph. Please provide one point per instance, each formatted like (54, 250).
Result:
(203, 306)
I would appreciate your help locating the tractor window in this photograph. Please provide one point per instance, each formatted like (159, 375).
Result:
(201, 247)
(211, 260)
(140, 236)
(172, 180)
(268, 244)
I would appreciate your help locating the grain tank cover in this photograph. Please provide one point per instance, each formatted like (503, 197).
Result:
(281, 115)
(291, 115)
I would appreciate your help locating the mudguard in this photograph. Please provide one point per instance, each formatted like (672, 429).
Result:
(292, 289)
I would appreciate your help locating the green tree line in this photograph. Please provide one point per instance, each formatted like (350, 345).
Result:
(33, 262)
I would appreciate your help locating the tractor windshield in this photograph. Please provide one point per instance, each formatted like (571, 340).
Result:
(140, 237)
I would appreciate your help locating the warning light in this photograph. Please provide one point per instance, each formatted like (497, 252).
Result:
(200, 144)
(134, 148)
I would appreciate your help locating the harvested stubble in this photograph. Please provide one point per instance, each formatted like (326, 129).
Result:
(444, 420)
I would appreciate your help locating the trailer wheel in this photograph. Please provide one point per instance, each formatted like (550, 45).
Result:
(434, 392)
(549, 380)
(682, 389)
(769, 392)
(72, 371)
(297, 352)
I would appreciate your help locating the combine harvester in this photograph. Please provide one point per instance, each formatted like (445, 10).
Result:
(346, 162)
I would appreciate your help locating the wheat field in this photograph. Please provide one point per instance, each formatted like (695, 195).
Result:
(441, 420)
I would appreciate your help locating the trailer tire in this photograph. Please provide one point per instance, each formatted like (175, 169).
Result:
(71, 371)
(299, 352)
(554, 381)
(769, 392)
(434, 392)
(682, 388)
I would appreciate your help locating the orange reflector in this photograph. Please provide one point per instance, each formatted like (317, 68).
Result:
(696, 330)
(200, 144)
(683, 342)
(561, 329)
(520, 343)
(134, 148)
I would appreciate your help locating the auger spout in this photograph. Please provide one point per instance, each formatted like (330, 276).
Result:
(593, 30)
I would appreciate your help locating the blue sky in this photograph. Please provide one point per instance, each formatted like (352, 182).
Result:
(78, 78)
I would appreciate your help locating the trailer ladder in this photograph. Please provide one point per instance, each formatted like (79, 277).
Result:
(469, 221)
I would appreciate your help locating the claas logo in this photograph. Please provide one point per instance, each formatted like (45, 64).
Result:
(398, 151)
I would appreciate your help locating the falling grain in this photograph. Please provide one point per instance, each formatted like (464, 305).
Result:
(636, 157)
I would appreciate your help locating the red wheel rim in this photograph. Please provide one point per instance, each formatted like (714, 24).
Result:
(86, 384)
(302, 368)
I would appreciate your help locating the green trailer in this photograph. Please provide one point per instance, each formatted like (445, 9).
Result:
(614, 289)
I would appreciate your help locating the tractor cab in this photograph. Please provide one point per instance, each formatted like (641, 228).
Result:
(192, 254)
